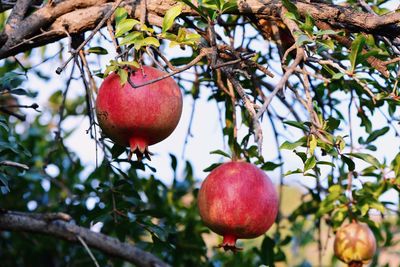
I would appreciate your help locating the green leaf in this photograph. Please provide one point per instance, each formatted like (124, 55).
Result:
(356, 48)
(270, 166)
(197, 9)
(338, 76)
(174, 162)
(123, 76)
(288, 145)
(181, 61)
(395, 164)
(4, 125)
(212, 167)
(303, 39)
(267, 251)
(211, 4)
(340, 143)
(373, 52)
(367, 158)
(325, 163)
(375, 134)
(3, 180)
(335, 189)
(146, 29)
(181, 35)
(308, 24)
(133, 63)
(324, 32)
(349, 162)
(170, 17)
(229, 6)
(220, 152)
(378, 206)
(313, 144)
(310, 163)
(97, 50)
(291, 8)
(117, 150)
(151, 41)
(125, 26)
(19, 91)
(364, 209)
(298, 124)
(291, 16)
(293, 172)
(331, 124)
(120, 14)
(109, 69)
(4, 184)
(131, 38)
(301, 155)
(325, 44)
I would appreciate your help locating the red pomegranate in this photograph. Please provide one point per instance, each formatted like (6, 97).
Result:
(139, 117)
(237, 200)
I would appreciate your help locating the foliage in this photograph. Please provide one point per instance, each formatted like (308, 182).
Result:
(333, 97)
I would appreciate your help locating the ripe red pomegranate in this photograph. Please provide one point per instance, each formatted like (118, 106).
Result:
(355, 244)
(237, 200)
(139, 117)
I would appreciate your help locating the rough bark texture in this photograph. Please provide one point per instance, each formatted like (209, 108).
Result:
(53, 21)
(57, 226)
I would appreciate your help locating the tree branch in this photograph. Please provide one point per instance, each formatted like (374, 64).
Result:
(50, 23)
(59, 228)
(13, 164)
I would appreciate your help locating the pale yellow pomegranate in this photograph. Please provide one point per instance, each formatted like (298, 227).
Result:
(355, 244)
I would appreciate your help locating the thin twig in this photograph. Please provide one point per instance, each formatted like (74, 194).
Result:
(289, 70)
(88, 250)
(33, 106)
(282, 81)
(151, 55)
(143, 12)
(203, 53)
(95, 30)
(342, 70)
(235, 154)
(189, 130)
(196, 84)
(394, 60)
(11, 113)
(14, 164)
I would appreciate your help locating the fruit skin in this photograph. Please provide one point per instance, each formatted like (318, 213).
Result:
(142, 116)
(237, 200)
(355, 244)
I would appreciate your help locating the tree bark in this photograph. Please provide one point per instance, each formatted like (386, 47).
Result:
(52, 22)
(57, 225)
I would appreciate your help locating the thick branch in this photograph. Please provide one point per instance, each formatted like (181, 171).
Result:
(346, 16)
(18, 12)
(59, 228)
(51, 22)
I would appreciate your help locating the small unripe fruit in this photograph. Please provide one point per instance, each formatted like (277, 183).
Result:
(355, 244)
(237, 200)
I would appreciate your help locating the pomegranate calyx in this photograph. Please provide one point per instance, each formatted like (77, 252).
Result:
(355, 264)
(229, 243)
(139, 148)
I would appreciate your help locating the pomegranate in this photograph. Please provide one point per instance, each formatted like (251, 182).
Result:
(355, 244)
(237, 200)
(139, 117)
